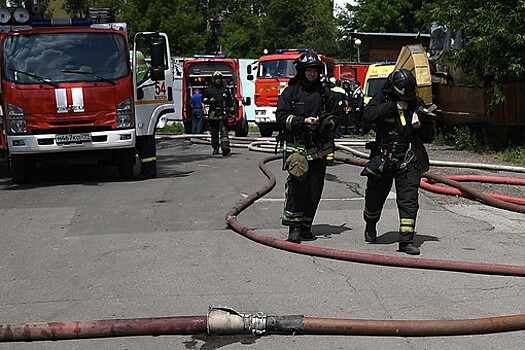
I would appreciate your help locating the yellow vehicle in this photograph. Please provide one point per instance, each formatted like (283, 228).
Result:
(375, 78)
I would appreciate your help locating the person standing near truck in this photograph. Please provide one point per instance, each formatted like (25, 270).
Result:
(394, 112)
(220, 102)
(307, 113)
(197, 112)
(145, 144)
(358, 102)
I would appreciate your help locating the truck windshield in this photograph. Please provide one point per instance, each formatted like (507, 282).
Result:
(374, 86)
(55, 56)
(276, 69)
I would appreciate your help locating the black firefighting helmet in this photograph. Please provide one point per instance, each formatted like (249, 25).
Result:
(403, 84)
(309, 59)
(217, 74)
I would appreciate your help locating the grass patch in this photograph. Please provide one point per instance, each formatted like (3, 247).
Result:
(173, 128)
(474, 140)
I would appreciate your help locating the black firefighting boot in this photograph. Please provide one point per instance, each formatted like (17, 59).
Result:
(148, 170)
(370, 232)
(306, 233)
(409, 248)
(215, 151)
(294, 235)
(406, 236)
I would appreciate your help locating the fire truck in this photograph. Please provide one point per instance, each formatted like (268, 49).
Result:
(68, 91)
(351, 71)
(272, 75)
(197, 74)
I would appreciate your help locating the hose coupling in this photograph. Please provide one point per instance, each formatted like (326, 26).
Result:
(224, 320)
(258, 323)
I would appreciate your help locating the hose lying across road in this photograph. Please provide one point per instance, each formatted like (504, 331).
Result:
(228, 321)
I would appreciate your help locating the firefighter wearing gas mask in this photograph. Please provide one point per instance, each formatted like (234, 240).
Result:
(220, 102)
(306, 116)
(394, 112)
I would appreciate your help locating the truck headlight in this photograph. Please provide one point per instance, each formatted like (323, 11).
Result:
(16, 120)
(125, 118)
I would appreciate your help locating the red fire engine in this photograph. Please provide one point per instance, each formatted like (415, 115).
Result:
(68, 91)
(351, 71)
(197, 74)
(273, 73)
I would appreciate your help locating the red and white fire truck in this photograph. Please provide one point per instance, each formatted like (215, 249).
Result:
(197, 74)
(68, 91)
(272, 75)
(351, 71)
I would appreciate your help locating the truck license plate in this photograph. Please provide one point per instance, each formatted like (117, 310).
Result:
(68, 138)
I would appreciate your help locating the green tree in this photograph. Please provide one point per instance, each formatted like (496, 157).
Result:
(386, 16)
(240, 34)
(493, 39)
(179, 19)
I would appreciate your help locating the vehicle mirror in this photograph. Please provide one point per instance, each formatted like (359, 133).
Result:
(249, 69)
(157, 55)
(247, 101)
(157, 73)
(250, 77)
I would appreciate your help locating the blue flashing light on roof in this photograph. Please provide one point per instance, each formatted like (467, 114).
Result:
(208, 56)
(292, 50)
(62, 22)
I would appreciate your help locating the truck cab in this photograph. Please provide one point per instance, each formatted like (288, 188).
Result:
(197, 74)
(68, 92)
(273, 73)
(376, 78)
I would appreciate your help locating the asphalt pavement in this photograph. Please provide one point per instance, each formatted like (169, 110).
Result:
(79, 244)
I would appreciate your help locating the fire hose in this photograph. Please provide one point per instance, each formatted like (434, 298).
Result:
(227, 321)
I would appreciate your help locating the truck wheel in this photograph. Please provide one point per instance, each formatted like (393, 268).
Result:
(242, 129)
(126, 163)
(20, 169)
(265, 130)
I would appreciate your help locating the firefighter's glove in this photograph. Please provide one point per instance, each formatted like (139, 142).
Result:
(376, 166)
(297, 166)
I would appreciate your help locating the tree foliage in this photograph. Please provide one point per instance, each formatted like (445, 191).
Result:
(386, 16)
(493, 39)
(494, 32)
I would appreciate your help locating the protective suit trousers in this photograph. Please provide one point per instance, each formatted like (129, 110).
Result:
(219, 134)
(407, 187)
(302, 197)
(147, 154)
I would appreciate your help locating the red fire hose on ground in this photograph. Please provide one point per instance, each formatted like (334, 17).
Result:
(228, 321)
(223, 321)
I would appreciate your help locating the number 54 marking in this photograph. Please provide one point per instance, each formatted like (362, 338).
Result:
(160, 88)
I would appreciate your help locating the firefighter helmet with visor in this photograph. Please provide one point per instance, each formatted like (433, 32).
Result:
(403, 84)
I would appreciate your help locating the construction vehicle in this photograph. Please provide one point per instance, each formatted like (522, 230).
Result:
(463, 104)
(273, 72)
(68, 91)
(197, 74)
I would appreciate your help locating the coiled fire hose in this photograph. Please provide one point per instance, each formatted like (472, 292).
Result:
(227, 321)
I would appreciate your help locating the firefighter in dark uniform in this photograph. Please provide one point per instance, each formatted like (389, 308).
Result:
(394, 112)
(145, 144)
(220, 102)
(307, 113)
